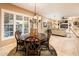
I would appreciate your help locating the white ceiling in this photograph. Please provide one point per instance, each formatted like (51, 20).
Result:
(51, 10)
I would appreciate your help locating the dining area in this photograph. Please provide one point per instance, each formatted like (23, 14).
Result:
(33, 44)
(26, 33)
(39, 30)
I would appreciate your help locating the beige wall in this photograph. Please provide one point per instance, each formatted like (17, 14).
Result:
(0, 24)
(15, 8)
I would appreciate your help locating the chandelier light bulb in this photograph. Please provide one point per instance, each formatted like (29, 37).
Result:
(35, 17)
(39, 18)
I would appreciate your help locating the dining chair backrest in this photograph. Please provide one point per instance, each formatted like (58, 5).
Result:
(18, 40)
(32, 44)
(49, 32)
(32, 41)
(42, 36)
(17, 35)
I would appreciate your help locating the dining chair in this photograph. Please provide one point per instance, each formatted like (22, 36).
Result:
(45, 42)
(19, 42)
(32, 46)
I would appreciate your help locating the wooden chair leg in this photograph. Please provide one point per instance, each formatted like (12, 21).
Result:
(26, 50)
(39, 53)
(17, 48)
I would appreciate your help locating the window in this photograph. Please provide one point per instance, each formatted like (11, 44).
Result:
(26, 24)
(19, 25)
(22, 25)
(8, 24)
(12, 21)
(18, 17)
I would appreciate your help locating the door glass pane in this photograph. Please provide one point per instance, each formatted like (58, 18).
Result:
(19, 26)
(8, 24)
(6, 34)
(18, 17)
(25, 24)
(25, 27)
(6, 18)
(11, 33)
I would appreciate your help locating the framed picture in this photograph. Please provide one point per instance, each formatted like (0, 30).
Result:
(44, 24)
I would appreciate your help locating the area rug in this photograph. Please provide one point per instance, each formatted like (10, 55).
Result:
(44, 52)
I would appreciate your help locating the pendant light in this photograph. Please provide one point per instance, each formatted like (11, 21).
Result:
(36, 18)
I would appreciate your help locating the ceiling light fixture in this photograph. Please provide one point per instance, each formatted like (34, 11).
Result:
(36, 18)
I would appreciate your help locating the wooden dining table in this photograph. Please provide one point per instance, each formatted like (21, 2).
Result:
(41, 36)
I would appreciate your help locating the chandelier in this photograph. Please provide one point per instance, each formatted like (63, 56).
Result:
(35, 17)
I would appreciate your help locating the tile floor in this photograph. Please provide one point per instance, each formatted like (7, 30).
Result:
(66, 46)
(6, 46)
